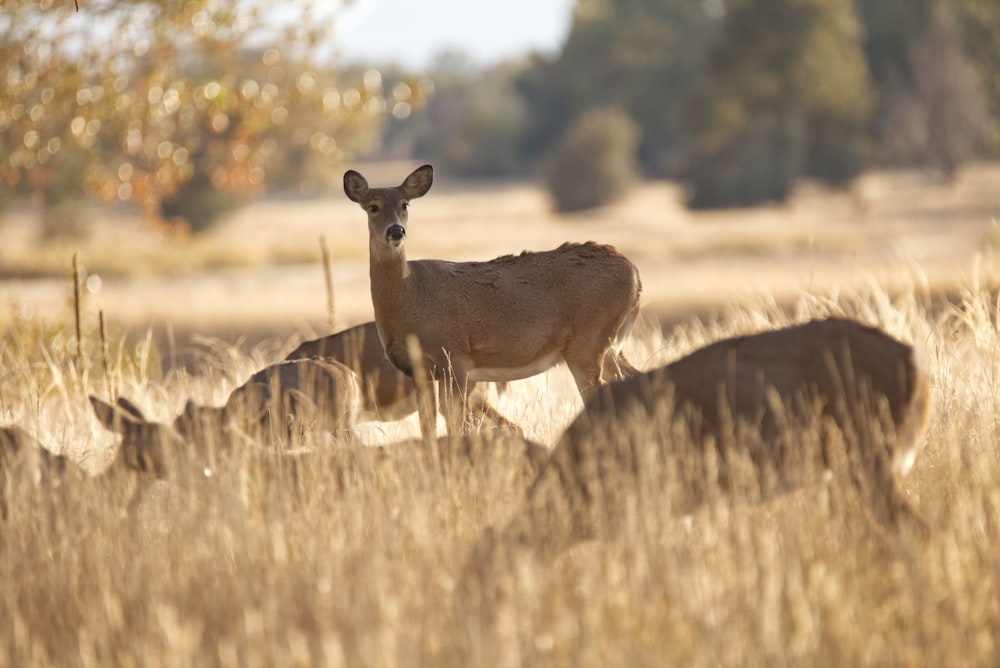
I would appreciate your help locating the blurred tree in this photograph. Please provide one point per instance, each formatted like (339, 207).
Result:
(933, 63)
(395, 135)
(891, 29)
(785, 94)
(472, 124)
(979, 24)
(949, 91)
(594, 162)
(642, 56)
(158, 102)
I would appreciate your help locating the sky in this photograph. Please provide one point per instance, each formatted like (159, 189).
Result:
(413, 32)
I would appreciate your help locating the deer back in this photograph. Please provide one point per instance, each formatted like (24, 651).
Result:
(386, 393)
(743, 393)
(513, 310)
(308, 392)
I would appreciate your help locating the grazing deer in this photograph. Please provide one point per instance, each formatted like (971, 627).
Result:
(279, 401)
(505, 319)
(836, 381)
(24, 459)
(387, 394)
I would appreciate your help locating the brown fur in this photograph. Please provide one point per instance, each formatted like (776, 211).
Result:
(499, 320)
(276, 403)
(843, 382)
(387, 393)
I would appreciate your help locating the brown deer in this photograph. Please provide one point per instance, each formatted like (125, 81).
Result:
(761, 397)
(277, 403)
(505, 319)
(387, 394)
(154, 450)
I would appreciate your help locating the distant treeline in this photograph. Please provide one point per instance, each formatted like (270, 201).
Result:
(738, 98)
(184, 109)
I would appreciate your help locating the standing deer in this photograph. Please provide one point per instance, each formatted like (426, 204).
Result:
(387, 394)
(505, 319)
(279, 401)
(764, 396)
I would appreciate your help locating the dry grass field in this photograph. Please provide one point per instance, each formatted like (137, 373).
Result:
(352, 555)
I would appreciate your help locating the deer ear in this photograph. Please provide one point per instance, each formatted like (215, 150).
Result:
(418, 182)
(112, 417)
(126, 406)
(355, 186)
(190, 408)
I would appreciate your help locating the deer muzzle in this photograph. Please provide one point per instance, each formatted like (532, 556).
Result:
(395, 234)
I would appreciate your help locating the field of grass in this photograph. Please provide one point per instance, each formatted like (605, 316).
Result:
(359, 556)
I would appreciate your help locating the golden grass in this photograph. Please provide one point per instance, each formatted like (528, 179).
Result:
(359, 558)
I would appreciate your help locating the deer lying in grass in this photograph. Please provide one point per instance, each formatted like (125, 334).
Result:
(277, 403)
(761, 398)
(153, 449)
(387, 394)
(500, 320)
(24, 460)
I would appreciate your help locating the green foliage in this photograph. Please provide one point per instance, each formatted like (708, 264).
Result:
(978, 22)
(756, 163)
(594, 163)
(785, 95)
(153, 93)
(473, 124)
(949, 89)
(198, 203)
(933, 63)
(642, 56)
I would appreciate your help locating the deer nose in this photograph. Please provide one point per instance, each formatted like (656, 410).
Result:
(395, 233)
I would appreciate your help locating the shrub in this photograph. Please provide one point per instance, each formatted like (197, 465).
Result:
(198, 203)
(757, 164)
(595, 161)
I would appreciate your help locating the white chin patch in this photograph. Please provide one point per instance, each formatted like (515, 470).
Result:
(396, 243)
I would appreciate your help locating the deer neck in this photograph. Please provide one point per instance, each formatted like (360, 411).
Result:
(389, 284)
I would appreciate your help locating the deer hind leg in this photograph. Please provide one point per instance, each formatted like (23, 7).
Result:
(617, 367)
(595, 357)
(585, 360)
(587, 377)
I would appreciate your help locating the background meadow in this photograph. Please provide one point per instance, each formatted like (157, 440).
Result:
(356, 555)
(171, 221)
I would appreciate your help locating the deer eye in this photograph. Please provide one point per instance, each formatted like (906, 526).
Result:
(405, 206)
(373, 208)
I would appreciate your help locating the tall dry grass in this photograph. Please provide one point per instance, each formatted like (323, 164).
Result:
(356, 555)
